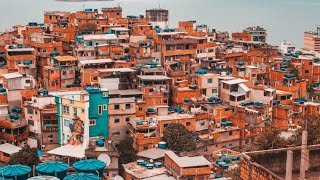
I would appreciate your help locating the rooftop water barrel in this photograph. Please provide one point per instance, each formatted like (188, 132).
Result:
(90, 166)
(150, 166)
(157, 164)
(17, 172)
(100, 143)
(53, 168)
(162, 145)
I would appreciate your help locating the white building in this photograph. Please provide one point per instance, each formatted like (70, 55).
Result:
(286, 47)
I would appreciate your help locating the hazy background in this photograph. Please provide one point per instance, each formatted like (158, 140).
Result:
(283, 19)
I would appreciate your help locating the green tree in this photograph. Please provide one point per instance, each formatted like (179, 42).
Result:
(26, 156)
(269, 139)
(178, 138)
(312, 124)
(127, 153)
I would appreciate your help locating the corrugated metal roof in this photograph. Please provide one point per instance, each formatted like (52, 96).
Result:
(121, 100)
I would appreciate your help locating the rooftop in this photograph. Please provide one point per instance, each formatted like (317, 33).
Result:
(65, 58)
(12, 75)
(153, 78)
(117, 70)
(9, 148)
(154, 153)
(100, 37)
(140, 172)
(235, 81)
(174, 116)
(187, 162)
(94, 61)
(121, 100)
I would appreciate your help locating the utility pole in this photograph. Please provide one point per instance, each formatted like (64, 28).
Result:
(304, 155)
(289, 165)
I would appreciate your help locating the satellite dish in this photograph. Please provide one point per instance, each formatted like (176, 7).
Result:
(117, 177)
(105, 158)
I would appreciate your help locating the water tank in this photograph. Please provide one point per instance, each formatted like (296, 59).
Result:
(162, 145)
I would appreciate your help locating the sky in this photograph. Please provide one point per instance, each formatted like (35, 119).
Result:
(283, 19)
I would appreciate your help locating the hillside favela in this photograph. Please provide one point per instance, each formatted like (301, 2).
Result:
(97, 94)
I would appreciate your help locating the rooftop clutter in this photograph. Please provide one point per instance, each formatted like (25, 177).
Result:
(81, 82)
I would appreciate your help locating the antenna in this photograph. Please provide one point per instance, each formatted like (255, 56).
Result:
(105, 158)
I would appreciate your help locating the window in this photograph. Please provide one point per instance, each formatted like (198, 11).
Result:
(31, 122)
(145, 147)
(82, 111)
(127, 131)
(165, 125)
(223, 119)
(105, 94)
(188, 123)
(65, 109)
(210, 80)
(116, 120)
(66, 123)
(230, 144)
(116, 133)
(71, 101)
(95, 78)
(105, 107)
(151, 90)
(116, 106)
(128, 106)
(214, 91)
(127, 119)
(64, 72)
(99, 109)
(28, 81)
(30, 111)
(306, 71)
(75, 111)
(92, 122)
(230, 133)
(205, 149)
(140, 108)
(202, 123)
(165, 101)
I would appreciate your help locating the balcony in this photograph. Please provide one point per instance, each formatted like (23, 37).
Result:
(14, 137)
(12, 124)
(180, 52)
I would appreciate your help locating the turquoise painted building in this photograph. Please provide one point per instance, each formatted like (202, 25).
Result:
(82, 115)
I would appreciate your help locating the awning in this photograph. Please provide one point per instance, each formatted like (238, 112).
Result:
(69, 151)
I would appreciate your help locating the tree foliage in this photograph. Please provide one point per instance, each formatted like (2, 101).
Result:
(178, 138)
(312, 124)
(269, 139)
(26, 156)
(127, 153)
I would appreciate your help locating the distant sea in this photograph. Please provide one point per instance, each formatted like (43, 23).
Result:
(283, 19)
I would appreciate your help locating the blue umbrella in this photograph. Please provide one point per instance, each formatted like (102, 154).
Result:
(53, 168)
(82, 176)
(90, 166)
(17, 172)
